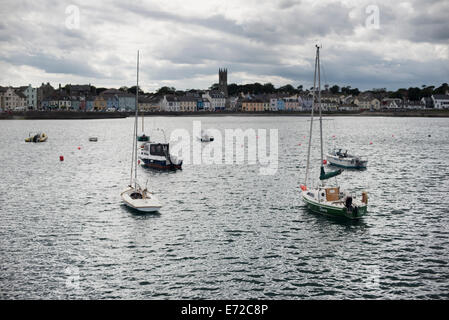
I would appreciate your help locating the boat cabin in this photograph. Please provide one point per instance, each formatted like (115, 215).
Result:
(156, 149)
(332, 194)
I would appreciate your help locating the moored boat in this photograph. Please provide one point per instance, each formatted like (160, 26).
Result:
(206, 137)
(342, 159)
(328, 200)
(157, 156)
(143, 137)
(135, 196)
(39, 137)
(140, 199)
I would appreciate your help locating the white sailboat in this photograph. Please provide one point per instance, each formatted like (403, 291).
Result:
(328, 200)
(135, 196)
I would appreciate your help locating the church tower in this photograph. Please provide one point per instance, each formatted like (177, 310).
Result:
(223, 81)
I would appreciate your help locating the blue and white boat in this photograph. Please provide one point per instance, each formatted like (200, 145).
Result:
(157, 156)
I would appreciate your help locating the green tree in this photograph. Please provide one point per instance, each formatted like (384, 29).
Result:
(133, 90)
(268, 88)
(335, 89)
(166, 90)
(442, 89)
(287, 88)
(100, 90)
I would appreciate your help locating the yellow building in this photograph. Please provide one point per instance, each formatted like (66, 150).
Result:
(255, 105)
(100, 103)
(187, 103)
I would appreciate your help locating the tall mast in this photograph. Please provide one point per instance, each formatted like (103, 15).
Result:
(135, 121)
(319, 103)
(311, 121)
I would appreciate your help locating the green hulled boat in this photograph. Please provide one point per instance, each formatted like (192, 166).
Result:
(328, 200)
(143, 137)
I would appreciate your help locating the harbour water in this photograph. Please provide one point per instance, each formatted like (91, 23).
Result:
(225, 231)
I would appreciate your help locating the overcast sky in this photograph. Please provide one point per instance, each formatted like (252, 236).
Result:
(183, 43)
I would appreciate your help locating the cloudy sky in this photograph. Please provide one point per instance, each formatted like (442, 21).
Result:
(183, 43)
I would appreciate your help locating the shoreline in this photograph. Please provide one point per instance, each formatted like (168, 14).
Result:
(76, 115)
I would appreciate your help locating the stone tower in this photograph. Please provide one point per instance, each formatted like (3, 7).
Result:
(223, 81)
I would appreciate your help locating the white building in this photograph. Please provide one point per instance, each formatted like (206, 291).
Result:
(217, 100)
(392, 103)
(170, 103)
(31, 96)
(11, 99)
(440, 101)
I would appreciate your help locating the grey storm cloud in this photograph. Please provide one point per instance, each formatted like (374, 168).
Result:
(294, 25)
(53, 64)
(264, 40)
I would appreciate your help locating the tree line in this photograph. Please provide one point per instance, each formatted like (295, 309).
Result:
(412, 93)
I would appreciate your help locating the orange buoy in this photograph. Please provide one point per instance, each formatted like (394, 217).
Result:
(303, 187)
(61, 158)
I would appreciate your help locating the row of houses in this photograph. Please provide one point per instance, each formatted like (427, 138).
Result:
(84, 98)
(108, 99)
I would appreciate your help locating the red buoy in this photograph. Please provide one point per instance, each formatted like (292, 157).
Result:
(79, 148)
(371, 143)
(303, 187)
(138, 161)
(61, 158)
(324, 161)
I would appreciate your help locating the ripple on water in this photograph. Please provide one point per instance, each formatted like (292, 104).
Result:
(224, 231)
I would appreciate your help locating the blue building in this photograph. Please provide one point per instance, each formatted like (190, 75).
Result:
(280, 104)
(200, 104)
(119, 100)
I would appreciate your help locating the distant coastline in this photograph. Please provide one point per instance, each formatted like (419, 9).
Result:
(62, 115)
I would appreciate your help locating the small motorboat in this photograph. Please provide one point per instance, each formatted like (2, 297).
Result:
(342, 159)
(93, 139)
(205, 137)
(157, 156)
(39, 137)
(140, 199)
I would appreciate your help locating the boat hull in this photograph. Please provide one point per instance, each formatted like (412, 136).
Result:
(143, 138)
(160, 165)
(42, 138)
(149, 204)
(347, 163)
(334, 211)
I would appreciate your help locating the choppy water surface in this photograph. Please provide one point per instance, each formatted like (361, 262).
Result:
(225, 231)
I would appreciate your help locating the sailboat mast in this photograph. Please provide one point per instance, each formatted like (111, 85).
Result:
(137, 110)
(311, 123)
(319, 103)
